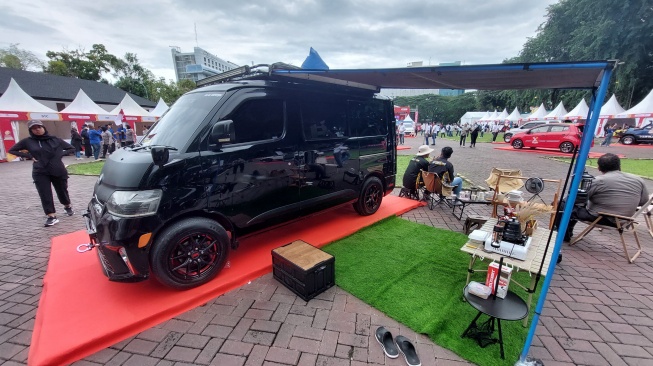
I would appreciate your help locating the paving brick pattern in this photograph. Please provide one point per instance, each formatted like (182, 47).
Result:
(599, 310)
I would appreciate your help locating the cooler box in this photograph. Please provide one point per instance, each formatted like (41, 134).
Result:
(303, 268)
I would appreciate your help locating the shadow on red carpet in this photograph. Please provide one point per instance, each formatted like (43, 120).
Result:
(551, 152)
(81, 312)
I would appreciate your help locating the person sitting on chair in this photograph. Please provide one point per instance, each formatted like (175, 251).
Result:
(419, 162)
(441, 165)
(612, 192)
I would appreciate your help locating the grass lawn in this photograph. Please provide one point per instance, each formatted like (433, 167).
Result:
(90, 168)
(416, 274)
(641, 167)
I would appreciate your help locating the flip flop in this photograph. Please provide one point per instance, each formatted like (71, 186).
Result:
(384, 337)
(407, 348)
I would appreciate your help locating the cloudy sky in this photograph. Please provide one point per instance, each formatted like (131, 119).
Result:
(346, 33)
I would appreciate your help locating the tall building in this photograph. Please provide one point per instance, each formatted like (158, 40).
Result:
(198, 64)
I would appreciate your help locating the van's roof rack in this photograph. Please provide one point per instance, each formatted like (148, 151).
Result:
(266, 72)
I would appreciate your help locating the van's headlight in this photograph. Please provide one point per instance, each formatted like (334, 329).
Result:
(134, 203)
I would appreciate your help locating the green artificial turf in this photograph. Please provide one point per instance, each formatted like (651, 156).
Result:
(641, 167)
(90, 168)
(416, 274)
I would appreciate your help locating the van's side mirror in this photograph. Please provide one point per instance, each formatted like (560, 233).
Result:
(221, 133)
(160, 155)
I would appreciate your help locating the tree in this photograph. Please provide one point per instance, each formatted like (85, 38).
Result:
(16, 58)
(170, 91)
(80, 64)
(132, 77)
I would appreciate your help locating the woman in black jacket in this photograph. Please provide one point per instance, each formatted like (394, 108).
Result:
(48, 169)
(76, 141)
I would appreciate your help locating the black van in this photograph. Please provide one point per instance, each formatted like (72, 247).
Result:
(232, 158)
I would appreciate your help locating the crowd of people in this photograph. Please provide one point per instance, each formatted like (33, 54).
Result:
(101, 140)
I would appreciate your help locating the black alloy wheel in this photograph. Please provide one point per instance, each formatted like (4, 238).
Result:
(370, 197)
(517, 144)
(189, 253)
(567, 147)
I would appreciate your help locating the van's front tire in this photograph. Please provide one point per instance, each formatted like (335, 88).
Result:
(189, 253)
(370, 197)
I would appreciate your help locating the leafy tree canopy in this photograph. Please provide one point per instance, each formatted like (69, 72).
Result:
(16, 58)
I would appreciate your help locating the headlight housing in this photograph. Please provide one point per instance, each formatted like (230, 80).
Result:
(134, 203)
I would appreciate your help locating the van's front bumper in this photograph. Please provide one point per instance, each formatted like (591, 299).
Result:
(117, 242)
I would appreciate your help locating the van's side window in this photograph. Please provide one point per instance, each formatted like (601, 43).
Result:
(366, 118)
(323, 119)
(258, 119)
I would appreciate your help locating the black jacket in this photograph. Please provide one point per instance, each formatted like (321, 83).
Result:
(47, 152)
(76, 140)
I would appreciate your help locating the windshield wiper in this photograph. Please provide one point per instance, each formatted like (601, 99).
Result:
(151, 146)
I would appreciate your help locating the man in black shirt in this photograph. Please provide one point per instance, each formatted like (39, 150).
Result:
(441, 165)
(419, 162)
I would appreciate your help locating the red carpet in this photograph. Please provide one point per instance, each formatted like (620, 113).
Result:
(81, 312)
(552, 152)
(403, 147)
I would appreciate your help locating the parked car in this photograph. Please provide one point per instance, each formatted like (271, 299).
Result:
(639, 135)
(563, 136)
(409, 128)
(233, 158)
(526, 126)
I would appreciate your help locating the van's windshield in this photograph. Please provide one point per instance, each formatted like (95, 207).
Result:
(179, 123)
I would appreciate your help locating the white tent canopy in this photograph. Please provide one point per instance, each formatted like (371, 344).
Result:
(579, 112)
(611, 108)
(161, 107)
(486, 117)
(15, 99)
(130, 108)
(539, 113)
(515, 116)
(408, 119)
(642, 109)
(558, 112)
(84, 105)
(503, 115)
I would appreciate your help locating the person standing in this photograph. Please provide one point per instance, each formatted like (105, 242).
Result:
(76, 142)
(609, 132)
(95, 138)
(88, 150)
(120, 136)
(435, 131)
(427, 132)
(106, 142)
(401, 133)
(495, 131)
(129, 136)
(463, 135)
(48, 169)
(474, 135)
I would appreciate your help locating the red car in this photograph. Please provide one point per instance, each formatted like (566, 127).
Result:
(563, 136)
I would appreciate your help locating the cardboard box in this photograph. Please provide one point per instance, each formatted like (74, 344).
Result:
(504, 280)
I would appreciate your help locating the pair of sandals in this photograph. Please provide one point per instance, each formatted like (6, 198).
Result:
(391, 347)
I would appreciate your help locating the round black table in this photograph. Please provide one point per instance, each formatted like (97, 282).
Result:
(511, 308)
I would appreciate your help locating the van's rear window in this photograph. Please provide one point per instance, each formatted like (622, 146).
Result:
(181, 121)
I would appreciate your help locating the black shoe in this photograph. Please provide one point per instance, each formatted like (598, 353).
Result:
(559, 258)
(384, 337)
(407, 348)
(51, 220)
(69, 210)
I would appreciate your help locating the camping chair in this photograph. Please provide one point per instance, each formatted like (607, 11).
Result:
(622, 223)
(437, 187)
(506, 183)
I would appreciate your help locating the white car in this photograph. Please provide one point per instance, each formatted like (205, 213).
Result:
(409, 128)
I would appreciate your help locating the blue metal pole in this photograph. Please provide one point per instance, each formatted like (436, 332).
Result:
(586, 143)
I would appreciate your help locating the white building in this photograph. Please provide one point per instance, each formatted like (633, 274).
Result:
(198, 64)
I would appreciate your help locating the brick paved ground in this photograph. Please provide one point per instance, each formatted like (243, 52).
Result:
(599, 310)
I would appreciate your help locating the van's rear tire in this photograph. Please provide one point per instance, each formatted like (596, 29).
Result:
(189, 253)
(370, 197)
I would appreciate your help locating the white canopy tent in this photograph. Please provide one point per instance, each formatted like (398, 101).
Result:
(539, 113)
(15, 99)
(160, 109)
(643, 111)
(557, 113)
(83, 104)
(579, 112)
(408, 119)
(609, 110)
(502, 116)
(131, 108)
(515, 116)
